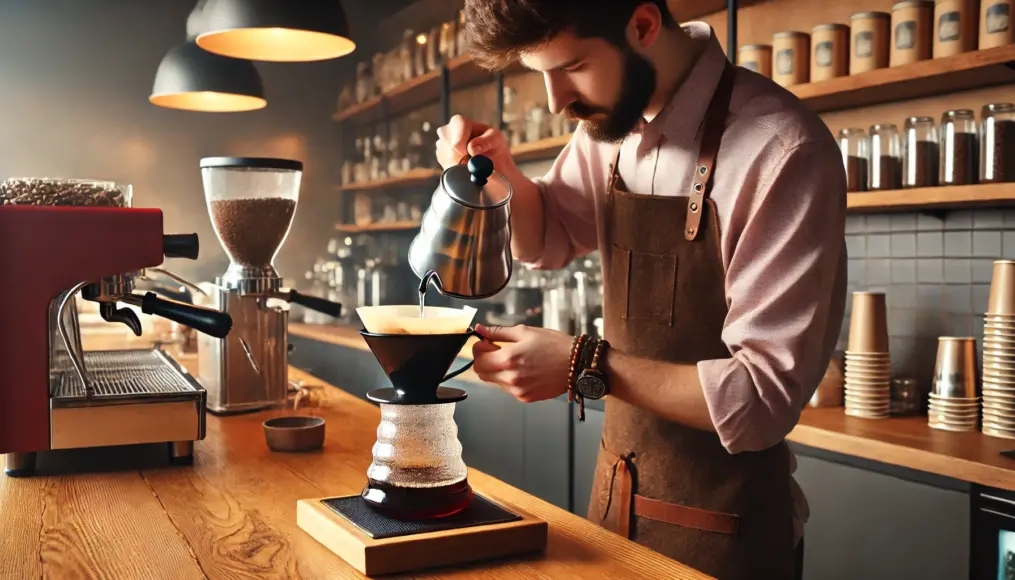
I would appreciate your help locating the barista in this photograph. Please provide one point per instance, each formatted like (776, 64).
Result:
(717, 203)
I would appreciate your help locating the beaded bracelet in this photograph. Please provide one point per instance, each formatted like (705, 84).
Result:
(576, 350)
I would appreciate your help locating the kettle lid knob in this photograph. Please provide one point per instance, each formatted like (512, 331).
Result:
(481, 168)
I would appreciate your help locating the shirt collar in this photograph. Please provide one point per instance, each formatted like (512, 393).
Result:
(681, 118)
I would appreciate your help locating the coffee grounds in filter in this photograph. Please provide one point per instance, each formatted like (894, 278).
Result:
(251, 230)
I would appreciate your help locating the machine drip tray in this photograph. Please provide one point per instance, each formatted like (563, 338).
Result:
(375, 544)
(480, 512)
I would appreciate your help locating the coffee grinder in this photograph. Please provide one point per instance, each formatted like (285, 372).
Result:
(252, 202)
(418, 508)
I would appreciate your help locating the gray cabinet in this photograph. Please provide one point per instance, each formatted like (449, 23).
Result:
(586, 449)
(865, 524)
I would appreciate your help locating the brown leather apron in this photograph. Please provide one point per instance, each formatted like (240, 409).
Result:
(669, 487)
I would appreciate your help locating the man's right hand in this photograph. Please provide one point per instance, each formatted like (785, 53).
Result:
(462, 136)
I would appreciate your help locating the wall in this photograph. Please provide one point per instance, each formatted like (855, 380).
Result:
(73, 103)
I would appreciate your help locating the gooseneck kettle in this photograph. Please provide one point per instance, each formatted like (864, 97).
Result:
(464, 243)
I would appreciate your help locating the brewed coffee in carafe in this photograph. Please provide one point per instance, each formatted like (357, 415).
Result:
(417, 470)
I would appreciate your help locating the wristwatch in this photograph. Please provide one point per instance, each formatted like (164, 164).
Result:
(591, 383)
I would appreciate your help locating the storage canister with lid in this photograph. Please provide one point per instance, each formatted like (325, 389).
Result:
(830, 52)
(959, 148)
(997, 143)
(855, 147)
(995, 23)
(791, 52)
(956, 27)
(885, 158)
(912, 31)
(758, 58)
(920, 153)
(869, 47)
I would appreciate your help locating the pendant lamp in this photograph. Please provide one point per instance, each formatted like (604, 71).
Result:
(193, 79)
(276, 30)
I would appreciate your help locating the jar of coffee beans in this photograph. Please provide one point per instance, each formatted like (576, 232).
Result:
(959, 148)
(886, 158)
(920, 152)
(855, 146)
(997, 143)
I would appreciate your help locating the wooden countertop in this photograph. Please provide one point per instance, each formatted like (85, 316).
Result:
(903, 441)
(233, 513)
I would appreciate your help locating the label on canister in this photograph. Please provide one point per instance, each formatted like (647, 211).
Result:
(997, 18)
(905, 35)
(784, 62)
(948, 27)
(823, 54)
(864, 42)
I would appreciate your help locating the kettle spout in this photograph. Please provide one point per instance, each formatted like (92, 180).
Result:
(431, 275)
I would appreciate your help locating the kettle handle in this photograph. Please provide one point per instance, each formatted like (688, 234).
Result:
(467, 365)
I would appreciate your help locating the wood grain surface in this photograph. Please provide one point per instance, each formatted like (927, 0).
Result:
(95, 514)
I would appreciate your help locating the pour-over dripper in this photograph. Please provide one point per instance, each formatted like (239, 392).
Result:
(252, 201)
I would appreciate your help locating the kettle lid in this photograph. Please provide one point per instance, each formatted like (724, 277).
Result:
(476, 185)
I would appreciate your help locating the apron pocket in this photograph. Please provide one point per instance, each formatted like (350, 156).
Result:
(612, 495)
(649, 283)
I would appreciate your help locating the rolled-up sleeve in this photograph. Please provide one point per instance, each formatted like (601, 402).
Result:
(785, 287)
(568, 191)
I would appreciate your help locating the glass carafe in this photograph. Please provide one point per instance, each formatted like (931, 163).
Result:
(417, 469)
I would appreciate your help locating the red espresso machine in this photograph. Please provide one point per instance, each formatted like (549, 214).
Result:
(61, 239)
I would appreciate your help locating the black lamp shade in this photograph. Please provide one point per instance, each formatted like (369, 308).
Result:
(276, 30)
(193, 79)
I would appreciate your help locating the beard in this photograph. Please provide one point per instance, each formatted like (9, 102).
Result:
(613, 125)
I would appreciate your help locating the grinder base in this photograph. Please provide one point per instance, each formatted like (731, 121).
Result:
(374, 544)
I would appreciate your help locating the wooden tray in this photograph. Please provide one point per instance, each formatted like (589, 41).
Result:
(418, 551)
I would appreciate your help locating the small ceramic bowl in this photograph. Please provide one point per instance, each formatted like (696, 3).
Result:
(294, 433)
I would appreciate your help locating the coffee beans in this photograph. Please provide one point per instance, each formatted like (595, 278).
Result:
(999, 153)
(251, 230)
(856, 173)
(886, 174)
(34, 191)
(921, 165)
(960, 160)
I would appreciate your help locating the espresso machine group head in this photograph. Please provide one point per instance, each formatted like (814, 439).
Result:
(60, 238)
(252, 202)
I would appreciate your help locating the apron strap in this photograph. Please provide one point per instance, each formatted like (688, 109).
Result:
(715, 124)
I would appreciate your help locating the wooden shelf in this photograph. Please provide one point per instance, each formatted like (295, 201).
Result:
(541, 149)
(932, 198)
(971, 70)
(410, 178)
(385, 227)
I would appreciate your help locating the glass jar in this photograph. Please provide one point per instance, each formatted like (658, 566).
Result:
(855, 146)
(920, 153)
(886, 158)
(959, 148)
(997, 143)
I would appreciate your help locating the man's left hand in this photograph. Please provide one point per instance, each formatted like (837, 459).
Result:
(528, 362)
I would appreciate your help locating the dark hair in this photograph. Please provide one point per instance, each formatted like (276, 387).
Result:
(500, 30)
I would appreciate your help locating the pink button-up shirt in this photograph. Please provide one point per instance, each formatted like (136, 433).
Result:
(780, 190)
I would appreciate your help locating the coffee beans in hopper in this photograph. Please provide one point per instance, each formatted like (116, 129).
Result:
(34, 191)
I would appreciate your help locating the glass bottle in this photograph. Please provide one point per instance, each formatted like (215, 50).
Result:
(855, 146)
(886, 158)
(959, 148)
(920, 154)
(997, 143)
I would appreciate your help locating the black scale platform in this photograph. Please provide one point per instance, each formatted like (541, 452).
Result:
(481, 512)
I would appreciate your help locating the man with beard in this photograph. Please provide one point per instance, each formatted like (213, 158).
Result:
(717, 203)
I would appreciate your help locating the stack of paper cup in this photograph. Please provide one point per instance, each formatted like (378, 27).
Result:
(954, 398)
(868, 364)
(999, 354)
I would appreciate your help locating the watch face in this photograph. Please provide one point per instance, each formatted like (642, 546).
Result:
(591, 386)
